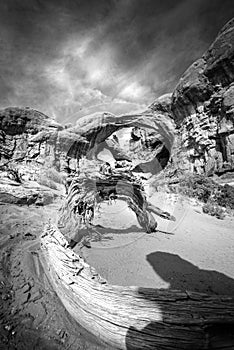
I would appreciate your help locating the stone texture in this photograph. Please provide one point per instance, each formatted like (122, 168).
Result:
(33, 156)
(36, 150)
(157, 127)
(31, 140)
(162, 104)
(203, 109)
(220, 57)
(113, 146)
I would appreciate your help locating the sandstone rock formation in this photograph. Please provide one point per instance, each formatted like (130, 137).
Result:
(162, 104)
(158, 139)
(33, 149)
(149, 150)
(203, 109)
(31, 139)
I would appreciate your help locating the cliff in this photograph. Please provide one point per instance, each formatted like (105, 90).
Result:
(203, 108)
(33, 156)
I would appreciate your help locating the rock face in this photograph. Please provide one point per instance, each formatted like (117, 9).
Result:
(157, 138)
(30, 140)
(162, 104)
(33, 150)
(203, 109)
(143, 142)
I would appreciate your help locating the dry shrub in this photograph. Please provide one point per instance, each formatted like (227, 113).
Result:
(214, 210)
(206, 190)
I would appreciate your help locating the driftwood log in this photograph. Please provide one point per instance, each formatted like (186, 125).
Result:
(132, 317)
(89, 190)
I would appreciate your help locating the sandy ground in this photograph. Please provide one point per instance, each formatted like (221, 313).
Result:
(31, 315)
(194, 253)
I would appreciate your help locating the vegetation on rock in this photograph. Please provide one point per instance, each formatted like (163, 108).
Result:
(206, 190)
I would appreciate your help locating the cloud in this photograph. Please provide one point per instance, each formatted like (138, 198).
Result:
(134, 91)
(63, 57)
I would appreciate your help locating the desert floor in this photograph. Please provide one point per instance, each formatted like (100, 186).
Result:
(194, 253)
(31, 315)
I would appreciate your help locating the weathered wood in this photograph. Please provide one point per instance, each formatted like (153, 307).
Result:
(132, 317)
(92, 188)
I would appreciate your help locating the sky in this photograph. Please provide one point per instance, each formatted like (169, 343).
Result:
(67, 58)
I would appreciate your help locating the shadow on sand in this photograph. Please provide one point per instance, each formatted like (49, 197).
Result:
(98, 233)
(183, 275)
(109, 230)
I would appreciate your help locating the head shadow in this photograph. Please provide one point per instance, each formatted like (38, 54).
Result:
(183, 275)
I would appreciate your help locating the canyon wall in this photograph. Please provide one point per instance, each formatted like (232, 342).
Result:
(202, 106)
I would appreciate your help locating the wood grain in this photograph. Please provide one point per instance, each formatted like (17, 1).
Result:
(133, 317)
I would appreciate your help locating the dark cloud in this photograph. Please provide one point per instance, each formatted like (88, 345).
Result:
(65, 56)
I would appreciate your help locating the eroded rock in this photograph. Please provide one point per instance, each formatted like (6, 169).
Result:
(203, 109)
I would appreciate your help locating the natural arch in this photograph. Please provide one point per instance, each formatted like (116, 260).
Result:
(90, 185)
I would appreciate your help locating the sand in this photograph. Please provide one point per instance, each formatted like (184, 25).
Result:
(31, 315)
(194, 253)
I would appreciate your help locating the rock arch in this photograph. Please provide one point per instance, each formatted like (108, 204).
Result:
(89, 186)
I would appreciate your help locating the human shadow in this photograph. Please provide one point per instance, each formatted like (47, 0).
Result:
(176, 324)
(165, 336)
(183, 275)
